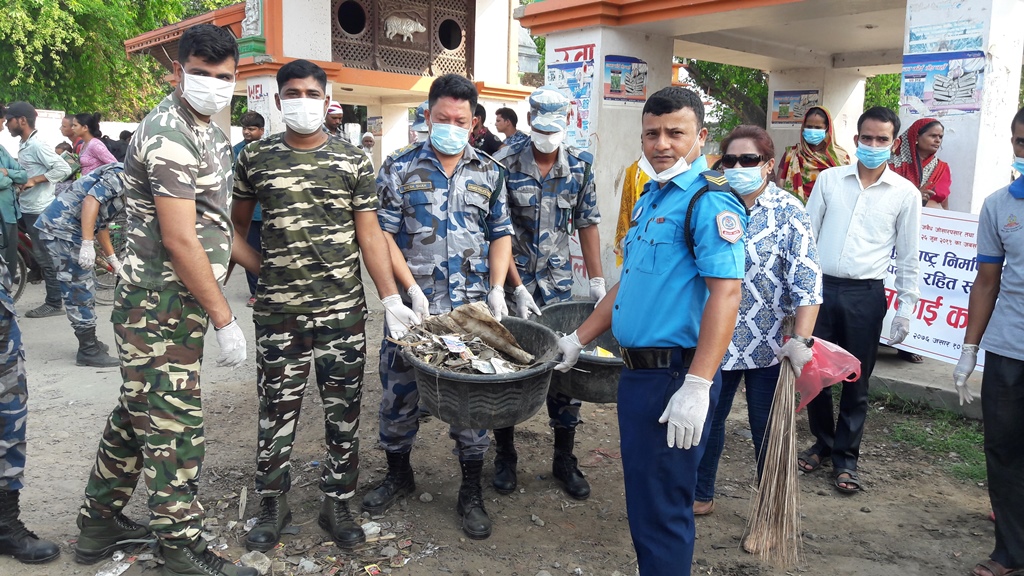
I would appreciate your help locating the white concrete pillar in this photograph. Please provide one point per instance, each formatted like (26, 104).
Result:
(261, 91)
(841, 92)
(610, 129)
(977, 127)
(394, 130)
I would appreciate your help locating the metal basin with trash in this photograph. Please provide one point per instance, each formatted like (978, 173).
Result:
(488, 401)
(597, 377)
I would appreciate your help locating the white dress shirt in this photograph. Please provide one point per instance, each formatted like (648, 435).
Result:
(857, 228)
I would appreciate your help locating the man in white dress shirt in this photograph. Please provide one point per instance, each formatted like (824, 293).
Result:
(859, 213)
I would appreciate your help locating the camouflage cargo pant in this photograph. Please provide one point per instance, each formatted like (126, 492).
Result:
(286, 345)
(157, 426)
(399, 410)
(563, 411)
(77, 284)
(13, 402)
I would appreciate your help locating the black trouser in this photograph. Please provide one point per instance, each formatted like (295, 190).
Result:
(850, 316)
(9, 246)
(1002, 407)
(43, 260)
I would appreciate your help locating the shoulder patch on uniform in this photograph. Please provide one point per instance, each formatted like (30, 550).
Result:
(716, 180)
(417, 186)
(403, 150)
(729, 226)
(581, 154)
(481, 190)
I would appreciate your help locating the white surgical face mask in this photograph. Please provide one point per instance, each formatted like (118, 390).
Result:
(547, 143)
(676, 169)
(206, 94)
(303, 115)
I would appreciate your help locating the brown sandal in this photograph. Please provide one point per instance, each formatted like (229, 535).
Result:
(703, 508)
(994, 569)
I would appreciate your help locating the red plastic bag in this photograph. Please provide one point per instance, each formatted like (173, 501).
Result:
(829, 365)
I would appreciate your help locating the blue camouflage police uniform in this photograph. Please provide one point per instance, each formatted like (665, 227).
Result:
(60, 231)
(660, 301)
(443, 226)
(545, 212)
(13, 390)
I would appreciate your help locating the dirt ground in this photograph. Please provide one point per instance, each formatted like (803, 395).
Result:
(913, 518)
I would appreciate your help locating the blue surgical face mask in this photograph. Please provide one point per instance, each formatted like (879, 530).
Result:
(814, 136)
(448, 138)
(1018, 164)
(872, 157)
(745, 180)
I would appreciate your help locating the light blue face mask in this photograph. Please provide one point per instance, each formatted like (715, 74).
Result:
(814, 136)
(745, 180)
(448, 139)
(872, 157)
(1018, 164)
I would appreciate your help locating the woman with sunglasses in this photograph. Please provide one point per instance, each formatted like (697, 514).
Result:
(815, 152)
(782, 277)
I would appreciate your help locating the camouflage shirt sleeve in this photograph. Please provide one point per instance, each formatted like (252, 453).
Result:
(242, 188)
(587, 213)
(390, 212)
(364, 193)
(172, 165)
(499, 222)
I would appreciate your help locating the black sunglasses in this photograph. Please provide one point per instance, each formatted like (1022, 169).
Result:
(745, 160)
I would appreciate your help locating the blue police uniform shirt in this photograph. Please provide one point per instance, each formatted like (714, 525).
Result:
(662, 292)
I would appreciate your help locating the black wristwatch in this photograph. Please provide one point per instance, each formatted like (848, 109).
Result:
(809, 342)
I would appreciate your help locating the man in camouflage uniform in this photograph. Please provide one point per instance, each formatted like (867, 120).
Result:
(15, 539)
(551, 194)
(319, 211)
(177, 180)
(444, 214)
(94, 200)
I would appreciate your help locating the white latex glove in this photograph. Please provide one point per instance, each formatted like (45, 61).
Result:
(798, 353)
(900, 329)
(398, 317)
(597, 290)
(496, 303)
(87, 255)
(968, 360)
(525, 303)
(686, 412)
(115, 264)
(420, 304)
(570, 347)
(232, 344)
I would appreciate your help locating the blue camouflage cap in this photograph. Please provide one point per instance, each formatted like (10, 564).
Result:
(548, 109)
(420, 124)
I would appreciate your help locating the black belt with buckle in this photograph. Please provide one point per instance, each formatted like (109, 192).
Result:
(655, 358)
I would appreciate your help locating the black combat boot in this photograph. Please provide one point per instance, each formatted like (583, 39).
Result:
(274, 515)
(90, 351)
(505, 460)
(475, 522)
(336, 519)
(98, 538)
(564, 468)
(398, 482)
(196, 559)
(17, 540)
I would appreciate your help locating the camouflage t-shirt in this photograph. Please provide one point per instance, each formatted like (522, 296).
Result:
(174, 154)
(309, 200)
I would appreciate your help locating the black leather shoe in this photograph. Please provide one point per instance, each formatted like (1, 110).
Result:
(274, 516)
(475, 522)
(337, 520)
(505, 461)
(397, 483)
(17, 540)
(564, 466)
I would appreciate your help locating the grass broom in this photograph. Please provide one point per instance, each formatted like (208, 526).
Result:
(773, 527)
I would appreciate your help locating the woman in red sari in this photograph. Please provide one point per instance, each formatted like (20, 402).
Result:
(816, 151)
(916, 161)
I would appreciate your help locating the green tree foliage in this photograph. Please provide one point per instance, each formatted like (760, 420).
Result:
(882, 90)
(743, 92)
(69, 54)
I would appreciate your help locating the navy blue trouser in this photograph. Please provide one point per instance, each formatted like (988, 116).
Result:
(659, 480)
(1002, 407)
(760, 384)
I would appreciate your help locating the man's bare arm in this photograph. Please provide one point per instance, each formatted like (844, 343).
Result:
(376, 253)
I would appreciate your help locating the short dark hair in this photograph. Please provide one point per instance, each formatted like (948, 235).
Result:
(453, 86)
(125, 135)
(211, 43)
(63, 146)
(1018, 118)
(763, 142)
(298, 69)
(509, 115)
(673, 98)
(90, 121)
(881, 114)
(250, 118)
(480, 113)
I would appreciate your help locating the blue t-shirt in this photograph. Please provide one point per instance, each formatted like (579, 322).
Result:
(1001, 241)
(662, 292)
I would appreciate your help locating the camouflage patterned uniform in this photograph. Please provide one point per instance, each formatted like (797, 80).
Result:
(442, 226)
(546, 211)
(309, 301)
(13, 390)
(157, 425)
(60, 230)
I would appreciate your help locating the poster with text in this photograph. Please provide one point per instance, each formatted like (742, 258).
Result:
(948, 266)
(572, 72)
(625, 81)
(956, 36)
(950, 83)
(789, 106)
(375, 125)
